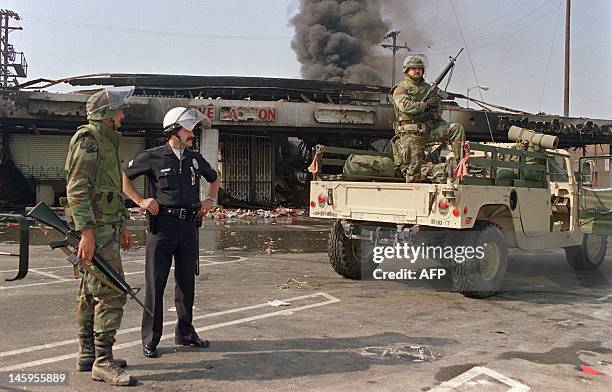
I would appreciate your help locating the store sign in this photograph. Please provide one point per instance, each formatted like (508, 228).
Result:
(237, 113)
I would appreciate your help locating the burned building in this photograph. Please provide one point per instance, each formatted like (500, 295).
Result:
(263, 129)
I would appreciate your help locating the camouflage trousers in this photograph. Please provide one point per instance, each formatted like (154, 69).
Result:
(99, 308)
(409, 147)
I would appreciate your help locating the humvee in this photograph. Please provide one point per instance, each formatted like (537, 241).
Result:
(541, 205)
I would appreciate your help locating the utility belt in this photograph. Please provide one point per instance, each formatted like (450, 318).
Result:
(186, 214)
(404, 126)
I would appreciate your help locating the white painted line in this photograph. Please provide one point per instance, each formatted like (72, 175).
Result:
(50, 275)
(67, 265)
(33, 284)
(476, 371)
(237, 259)
(60, 279)
(605, 298)
(330, 299)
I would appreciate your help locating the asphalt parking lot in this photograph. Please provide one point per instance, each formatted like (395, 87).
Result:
(549, 329)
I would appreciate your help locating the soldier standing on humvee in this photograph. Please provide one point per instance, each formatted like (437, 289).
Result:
(96, 208)
(419, 123)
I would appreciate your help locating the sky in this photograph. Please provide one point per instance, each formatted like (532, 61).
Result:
(514, 48)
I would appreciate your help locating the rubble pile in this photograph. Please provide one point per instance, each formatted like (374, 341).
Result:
(236, 213)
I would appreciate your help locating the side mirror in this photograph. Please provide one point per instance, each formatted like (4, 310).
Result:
(586, 172)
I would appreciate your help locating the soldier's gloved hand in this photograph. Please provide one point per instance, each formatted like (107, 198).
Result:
(150, 205)
(87, 245)
(423, 106)
(126, 239)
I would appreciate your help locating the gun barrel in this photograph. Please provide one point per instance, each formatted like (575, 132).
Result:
(441, 76)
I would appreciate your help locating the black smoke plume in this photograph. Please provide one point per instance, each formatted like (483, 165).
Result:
(339, 40)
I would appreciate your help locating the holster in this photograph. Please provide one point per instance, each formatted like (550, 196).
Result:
(153, 222)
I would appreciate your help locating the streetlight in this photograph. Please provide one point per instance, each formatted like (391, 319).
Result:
(483, 88)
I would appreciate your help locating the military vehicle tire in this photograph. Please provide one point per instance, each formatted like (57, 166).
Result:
(347, 256)
(481, 278)
(589, 255)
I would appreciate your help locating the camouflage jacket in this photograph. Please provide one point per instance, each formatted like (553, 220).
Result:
(93, 178)
(406, 97)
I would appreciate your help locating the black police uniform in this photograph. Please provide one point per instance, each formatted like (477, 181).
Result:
(173, 232)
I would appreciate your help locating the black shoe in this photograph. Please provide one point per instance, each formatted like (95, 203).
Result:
(150, 352)
(195, 342)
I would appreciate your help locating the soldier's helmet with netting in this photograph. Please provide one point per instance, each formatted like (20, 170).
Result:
(414, 61)
(104, 103)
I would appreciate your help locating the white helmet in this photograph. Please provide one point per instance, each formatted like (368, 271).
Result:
(181, 117)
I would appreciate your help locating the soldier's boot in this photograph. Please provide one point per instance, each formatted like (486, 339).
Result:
(87, 355)
(104, 369)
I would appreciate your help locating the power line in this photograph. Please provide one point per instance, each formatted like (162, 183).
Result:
(97, 27)
(512, 23)
(482, 26)
(473, 68)
(552, 43)
(502, 27)
(514, 32)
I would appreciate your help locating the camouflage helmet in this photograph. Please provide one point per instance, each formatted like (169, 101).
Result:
(103, 104)
(414, 61)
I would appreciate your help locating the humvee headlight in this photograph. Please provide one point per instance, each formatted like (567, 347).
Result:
(313, 204)
(456, 212)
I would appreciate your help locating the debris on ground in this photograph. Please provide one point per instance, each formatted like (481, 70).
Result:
(589, 370)
(278, 302)
(241, 213)
(569, 323)
(294, 283)
(408, 353)
(235, 213)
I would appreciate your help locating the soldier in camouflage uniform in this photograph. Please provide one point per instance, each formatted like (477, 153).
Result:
(419, 123)
(96, 208)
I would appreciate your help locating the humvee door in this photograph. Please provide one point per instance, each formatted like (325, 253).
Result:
(594, 180)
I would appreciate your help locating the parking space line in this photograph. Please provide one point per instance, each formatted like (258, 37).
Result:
(49, 275)
(59, 279)
(330, 299)
(476, 371)
(65, 265)
(140, 261)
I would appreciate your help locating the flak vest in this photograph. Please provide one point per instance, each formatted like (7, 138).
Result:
(107, 203)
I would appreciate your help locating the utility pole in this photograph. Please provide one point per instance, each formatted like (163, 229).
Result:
(8, 56)
(394, 48)
(567, 60)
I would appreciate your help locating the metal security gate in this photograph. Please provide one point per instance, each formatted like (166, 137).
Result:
(43, 157)
(247, 167)
(129, 148)
(40, 157)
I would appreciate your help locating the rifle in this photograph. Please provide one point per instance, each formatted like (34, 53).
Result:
(436, 83)
(43, 214)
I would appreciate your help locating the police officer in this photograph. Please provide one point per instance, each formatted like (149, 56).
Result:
(95, 209)
(419, 123)
(174, 172)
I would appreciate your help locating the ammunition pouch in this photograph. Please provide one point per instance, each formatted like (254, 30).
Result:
(411, 128)
(108, 203)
